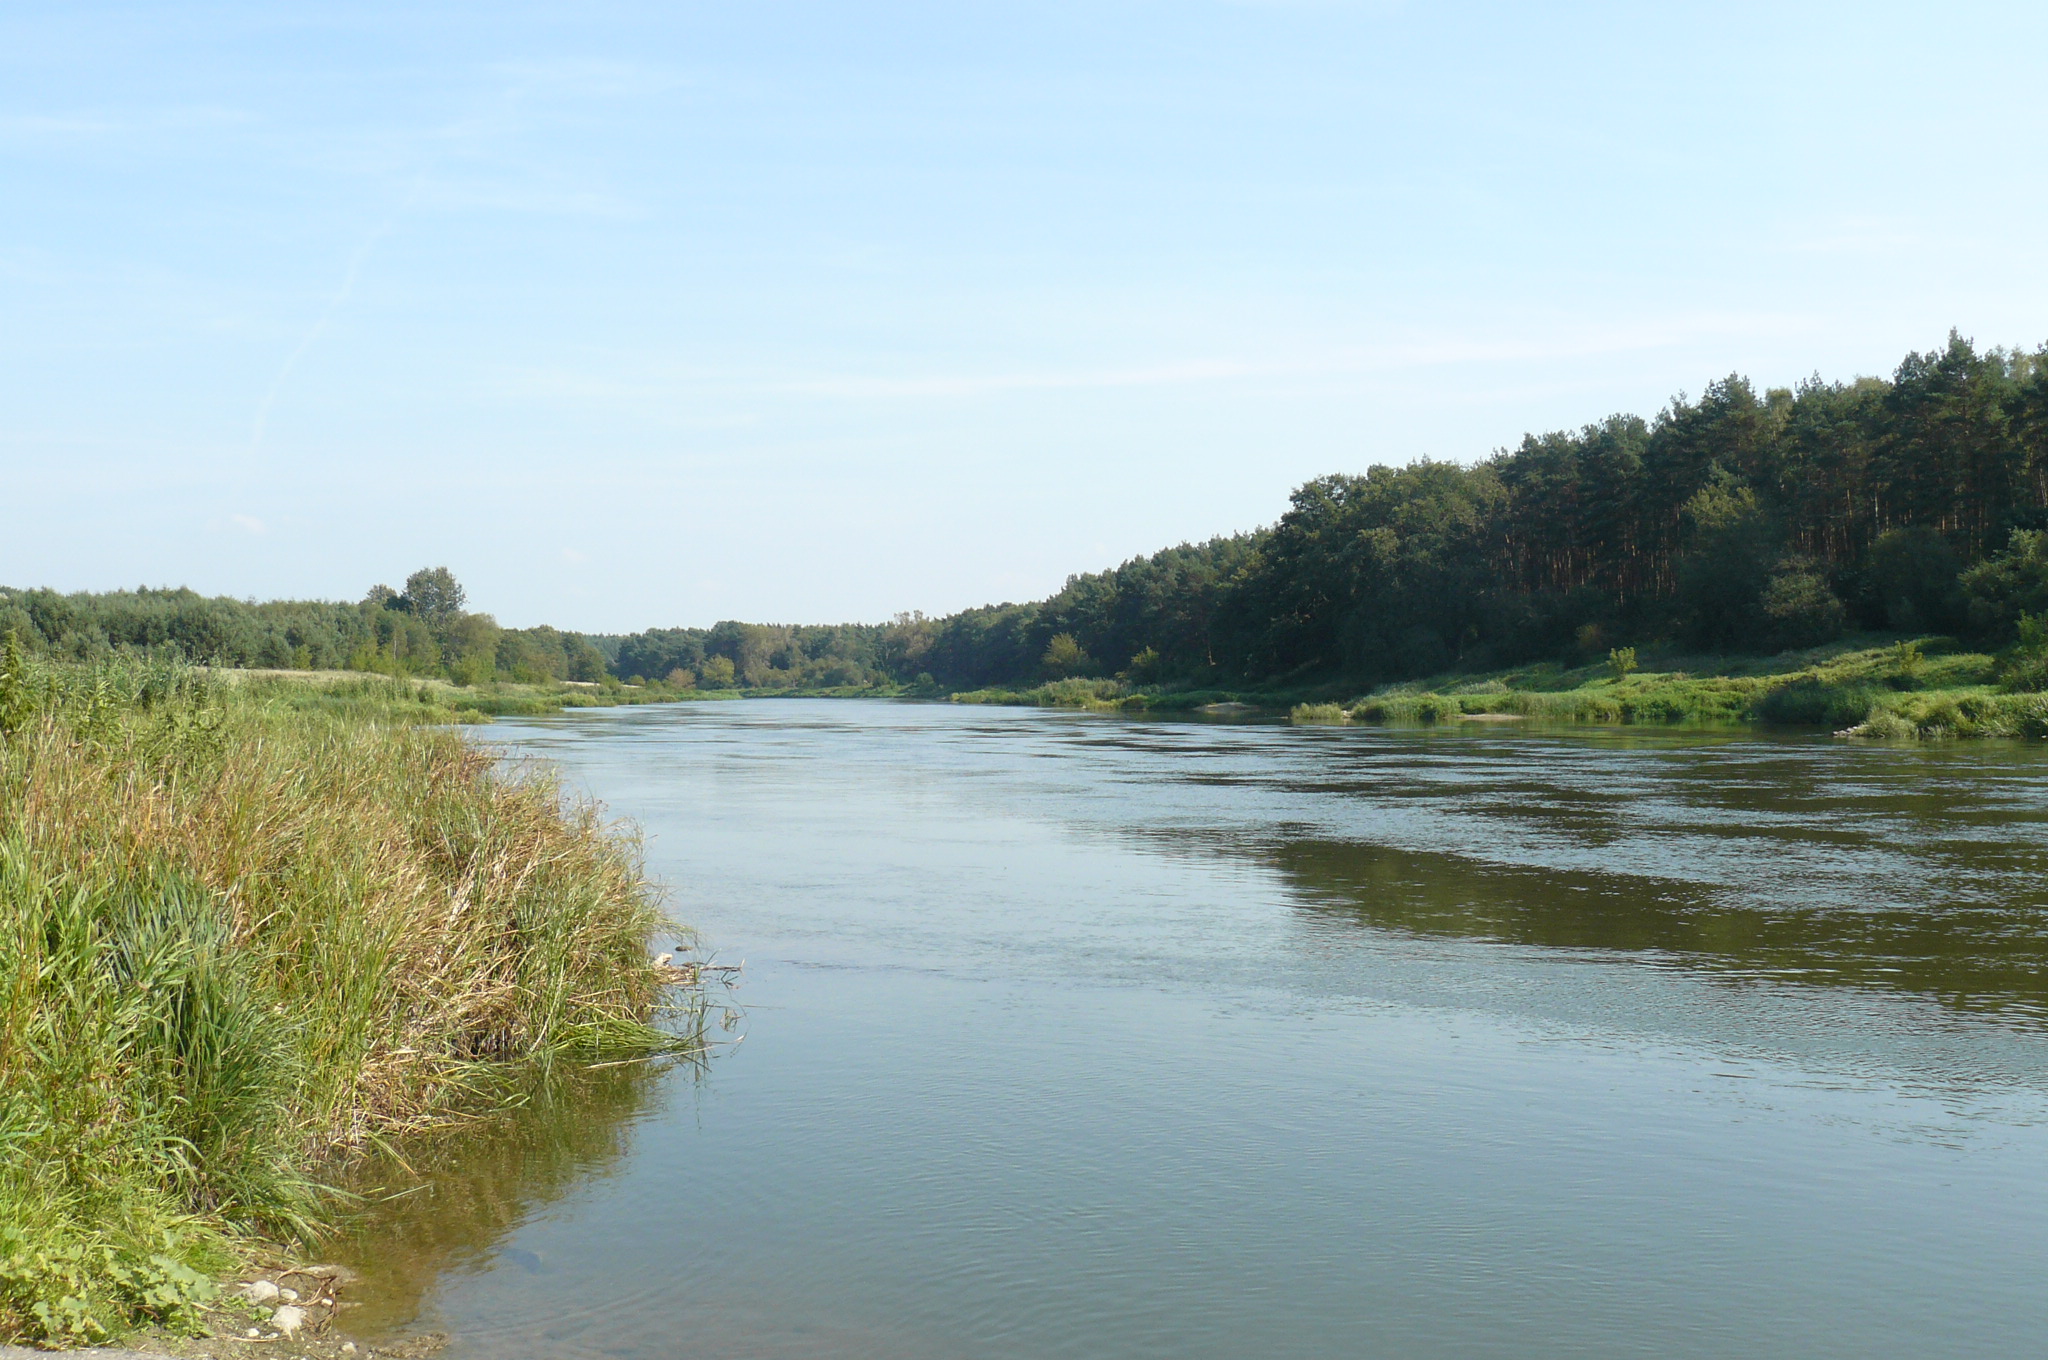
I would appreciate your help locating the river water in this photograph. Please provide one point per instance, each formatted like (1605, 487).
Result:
(1082, 1036)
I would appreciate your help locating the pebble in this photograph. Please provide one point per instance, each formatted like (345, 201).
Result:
(288, 1295)
(260, 1291)
(288, 1320)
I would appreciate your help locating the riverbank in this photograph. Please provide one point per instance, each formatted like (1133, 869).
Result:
(250, 924)
(431, 699)
(1889, 689)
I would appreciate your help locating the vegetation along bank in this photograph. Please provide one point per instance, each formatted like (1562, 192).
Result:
(245, 927)
(1806, 524)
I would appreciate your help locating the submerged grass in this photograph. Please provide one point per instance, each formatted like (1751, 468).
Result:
(245, 925)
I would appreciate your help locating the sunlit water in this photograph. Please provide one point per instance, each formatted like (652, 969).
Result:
(1073, 1036)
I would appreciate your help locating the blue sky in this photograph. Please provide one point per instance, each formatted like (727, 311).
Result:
(640, 315)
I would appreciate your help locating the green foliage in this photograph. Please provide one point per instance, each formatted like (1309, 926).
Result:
(1065, 657)
(55, 1287)
(1621, 663)
(433, 594)
(18, 697)
(1303, 714)
(1907, 665)
(2024, 666)
(1408, 708)
(1744, 521)
(1947, 715)
(1811, 701)
(2002, 589)
(423, 632)
(1073, 692)
(1909, 581)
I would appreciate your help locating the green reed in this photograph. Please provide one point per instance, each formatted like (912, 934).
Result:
(245, 925)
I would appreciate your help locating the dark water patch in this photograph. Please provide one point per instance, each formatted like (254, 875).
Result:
(1978, 957)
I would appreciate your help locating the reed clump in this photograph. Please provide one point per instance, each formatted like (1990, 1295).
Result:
(240, 930)
(1318, 715)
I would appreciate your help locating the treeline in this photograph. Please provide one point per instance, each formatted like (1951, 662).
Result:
(733, 655)
(1742, 521)
(1739, 522)
(422, 630)
(1155, 615)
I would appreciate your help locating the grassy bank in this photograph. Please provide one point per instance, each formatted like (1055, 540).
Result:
(1906, 689)
(434, 700)
(245, 924)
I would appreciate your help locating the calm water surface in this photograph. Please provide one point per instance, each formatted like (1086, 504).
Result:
(1071, 1036)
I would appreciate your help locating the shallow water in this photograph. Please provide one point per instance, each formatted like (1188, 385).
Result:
(1077, 1036)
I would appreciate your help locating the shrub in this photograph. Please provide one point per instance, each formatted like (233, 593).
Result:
(1812, 702)
(2024, 667)
(1064, 657)
(1664, 708)
(1801, 609)
(1621, 661)
(2002, 588)
(1317, 713)
(1146, 667)
(1908, 666)
(1883, 725)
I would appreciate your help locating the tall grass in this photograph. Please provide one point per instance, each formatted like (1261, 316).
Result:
(241, 928)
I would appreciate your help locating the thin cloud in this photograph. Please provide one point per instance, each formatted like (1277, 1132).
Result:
(319, 327)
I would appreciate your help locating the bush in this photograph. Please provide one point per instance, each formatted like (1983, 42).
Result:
(1908, 666)
(1416, 708)
(1317, 713)
(2024, 668)
(1999, 590)
(1064, 657)
(1663, 708)
(1883, 725)
(1801, 609)
(1812, 702)
(1909, 582)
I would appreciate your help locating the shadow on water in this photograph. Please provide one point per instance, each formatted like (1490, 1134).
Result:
(1972, 957)
(443, 1202)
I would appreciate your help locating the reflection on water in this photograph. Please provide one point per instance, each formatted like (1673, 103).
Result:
(447, 1201)
(1972, 956)
(1075, 1037)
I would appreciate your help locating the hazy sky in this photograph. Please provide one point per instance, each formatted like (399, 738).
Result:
(657, 314)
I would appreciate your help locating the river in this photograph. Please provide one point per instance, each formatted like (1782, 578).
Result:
(1081, 1036)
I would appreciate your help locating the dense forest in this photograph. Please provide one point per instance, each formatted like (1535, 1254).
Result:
(1737, 522)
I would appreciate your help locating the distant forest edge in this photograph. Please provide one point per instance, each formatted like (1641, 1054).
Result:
(1741, 522)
